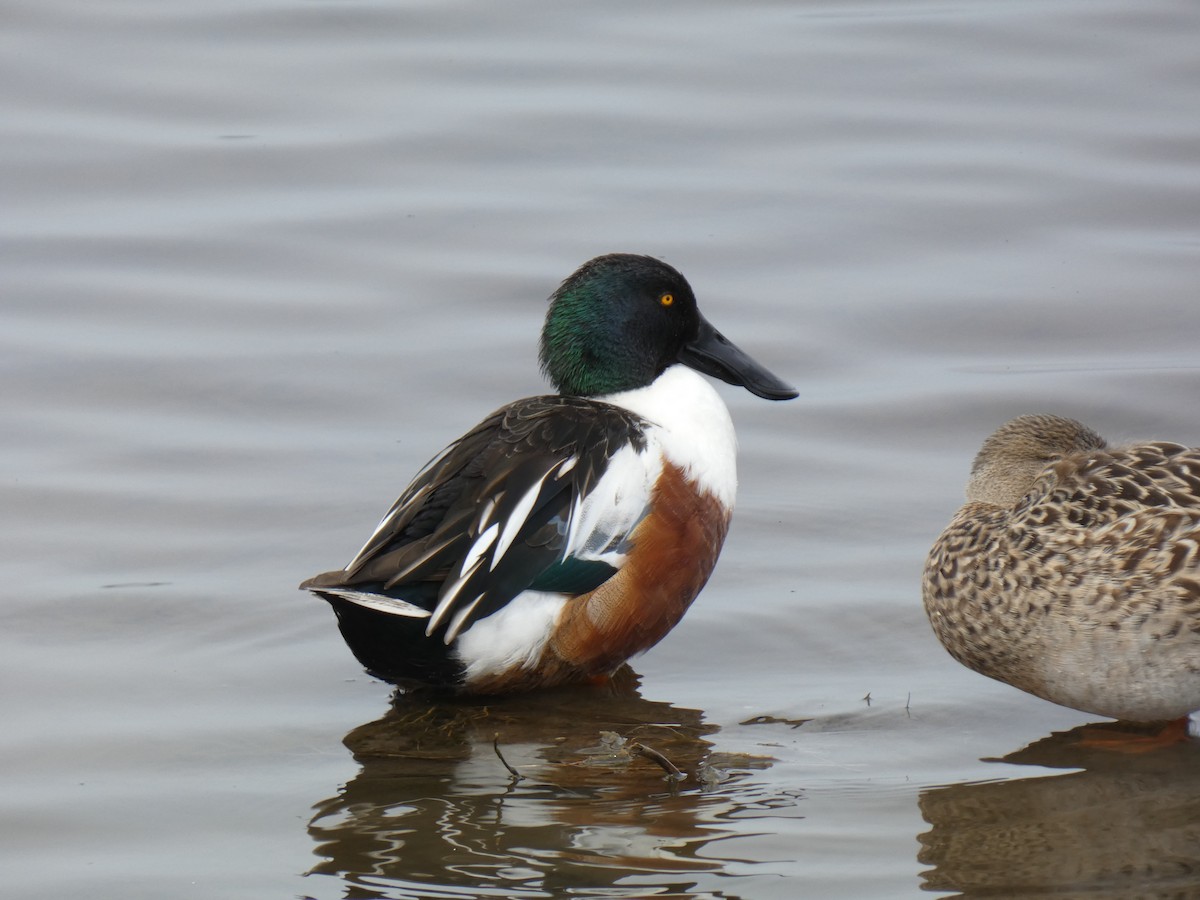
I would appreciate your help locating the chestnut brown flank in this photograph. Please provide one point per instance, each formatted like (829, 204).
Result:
(673, 552)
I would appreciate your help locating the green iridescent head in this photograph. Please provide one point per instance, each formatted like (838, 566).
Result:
(620, 320)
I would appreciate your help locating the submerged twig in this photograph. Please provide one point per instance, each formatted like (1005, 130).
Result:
(774, 720)
(517, 776)
(673, 773)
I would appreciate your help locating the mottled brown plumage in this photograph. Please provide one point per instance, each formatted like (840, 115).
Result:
(1073, 570)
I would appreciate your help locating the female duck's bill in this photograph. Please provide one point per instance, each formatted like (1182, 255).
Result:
(564, 533)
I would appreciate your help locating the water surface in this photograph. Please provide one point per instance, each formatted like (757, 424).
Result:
(260, 260)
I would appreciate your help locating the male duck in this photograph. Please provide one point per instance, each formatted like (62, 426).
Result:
(1073, 571)
(564, 533)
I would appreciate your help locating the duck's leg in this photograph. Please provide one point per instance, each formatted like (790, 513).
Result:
(1136, 737)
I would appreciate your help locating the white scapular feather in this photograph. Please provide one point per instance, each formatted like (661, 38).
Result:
(516, 520)
(617, 502)
(456, 623)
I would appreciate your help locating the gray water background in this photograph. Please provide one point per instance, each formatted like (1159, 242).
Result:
(260, 260)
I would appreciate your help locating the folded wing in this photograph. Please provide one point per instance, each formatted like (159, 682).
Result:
(502, 510)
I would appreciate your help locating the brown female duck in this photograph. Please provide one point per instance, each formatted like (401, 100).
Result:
(1073, 570)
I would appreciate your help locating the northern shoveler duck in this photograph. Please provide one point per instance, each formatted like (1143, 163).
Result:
(564, 533)
(1073, 570)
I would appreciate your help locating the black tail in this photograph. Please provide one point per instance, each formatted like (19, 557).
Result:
(394, 648)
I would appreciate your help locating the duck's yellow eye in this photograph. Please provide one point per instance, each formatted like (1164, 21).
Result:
(666, 299)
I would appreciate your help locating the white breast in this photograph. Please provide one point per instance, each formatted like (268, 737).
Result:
(691, 426)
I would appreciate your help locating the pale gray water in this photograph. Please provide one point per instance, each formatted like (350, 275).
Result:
(260, 260)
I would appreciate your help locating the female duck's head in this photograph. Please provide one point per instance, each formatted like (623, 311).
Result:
(1017, 452)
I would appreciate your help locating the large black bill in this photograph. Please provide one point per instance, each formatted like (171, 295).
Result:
(714, 354)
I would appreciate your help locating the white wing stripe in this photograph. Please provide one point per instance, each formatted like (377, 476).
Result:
(456, 623)
(516, 520)
(447, 600)
(482, 544)
(489, 509)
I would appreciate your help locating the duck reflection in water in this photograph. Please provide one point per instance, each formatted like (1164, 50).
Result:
(434, 809)
(1123, 825)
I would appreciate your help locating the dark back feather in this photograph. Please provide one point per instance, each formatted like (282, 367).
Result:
(425, 537)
